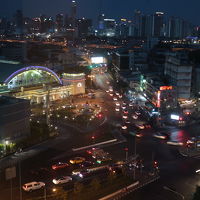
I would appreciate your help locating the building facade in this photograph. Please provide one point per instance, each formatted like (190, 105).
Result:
(14, 118)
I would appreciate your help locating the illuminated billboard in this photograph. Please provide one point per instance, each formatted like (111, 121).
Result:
(175, 117)
(97, 60)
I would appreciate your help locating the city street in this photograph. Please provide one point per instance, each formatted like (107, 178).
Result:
(176, 172)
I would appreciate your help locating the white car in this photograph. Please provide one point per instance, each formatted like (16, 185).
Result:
(124, 127)
(117, 93)
(160, 136)
(120, 96)
(115, 99)
(123, 107)
(117, 104)
(29, 187)
(135, 117)
(137, 113)
(198, 171)
(117, 109)
(131, 104)
(61, 180)
(125, 117)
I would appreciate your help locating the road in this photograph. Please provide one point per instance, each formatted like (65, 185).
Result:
(176, 171)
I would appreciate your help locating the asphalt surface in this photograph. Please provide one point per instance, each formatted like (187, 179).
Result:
(176, 172)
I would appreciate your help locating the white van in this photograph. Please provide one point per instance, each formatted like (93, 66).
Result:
(28, 187)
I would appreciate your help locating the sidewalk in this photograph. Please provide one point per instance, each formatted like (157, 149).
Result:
(129, 189)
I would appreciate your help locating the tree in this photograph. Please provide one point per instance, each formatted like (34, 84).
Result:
(95, 184)
(196, 195)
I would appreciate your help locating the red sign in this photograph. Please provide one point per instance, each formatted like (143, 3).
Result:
(166, 88)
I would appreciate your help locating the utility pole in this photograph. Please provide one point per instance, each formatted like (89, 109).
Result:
(20, 180)
(47, 105)
(134, 175)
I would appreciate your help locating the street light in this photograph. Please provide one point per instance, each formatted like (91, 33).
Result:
(45, 193)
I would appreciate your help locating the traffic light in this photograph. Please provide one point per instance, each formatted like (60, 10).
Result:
(155, 164)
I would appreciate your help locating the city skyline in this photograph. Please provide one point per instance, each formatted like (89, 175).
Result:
(121, 10)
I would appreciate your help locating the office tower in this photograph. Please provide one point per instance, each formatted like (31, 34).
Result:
(73, 14)
(18, 19)
(137, 23)
(158, 24)
(84, 26)
(178, 28)
(146, 26)
(59, 22)
(101, 24)
(109, 27)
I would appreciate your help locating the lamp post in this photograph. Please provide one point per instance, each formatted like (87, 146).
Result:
(45, 193)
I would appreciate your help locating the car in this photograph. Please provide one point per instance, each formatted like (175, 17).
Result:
(120, 96)
(59, 165)
(125, 117)
(77, 160)
(83, 173)
(29, 187)
(140, 126)
(162, 136)
(139, 135)
(123, 107)
(131, 104)
(198, 171)
(137, 113)
(127, 121)
(134, 116)
(111, 94)
(115, 98)
(117, 104)
(147, 126)
(111, 90)
(125, 111)
(61, 180)
(117, 109)
(124, 127)
(107, 91)
(87, 164)
(175, 143)
(117, 93)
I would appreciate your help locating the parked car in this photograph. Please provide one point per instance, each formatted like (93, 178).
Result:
(29, 187)
(77, 160)
(61, 180)
(59, 165)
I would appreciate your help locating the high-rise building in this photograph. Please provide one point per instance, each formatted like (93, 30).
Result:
(158, 24)
(73, 14)
(59, 22)
(84, 26)
(122, 29)
(18, 19)
(178, 28)
(137, 22)
(146, 26)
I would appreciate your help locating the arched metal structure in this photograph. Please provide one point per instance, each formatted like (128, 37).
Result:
(32, 68)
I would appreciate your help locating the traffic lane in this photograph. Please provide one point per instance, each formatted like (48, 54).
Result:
(173, 164)
(153, 191)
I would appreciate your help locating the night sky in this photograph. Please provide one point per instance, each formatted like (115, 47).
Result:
(112, 8)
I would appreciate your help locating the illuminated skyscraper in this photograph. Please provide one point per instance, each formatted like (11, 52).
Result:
(73, 13)
(158, 24)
